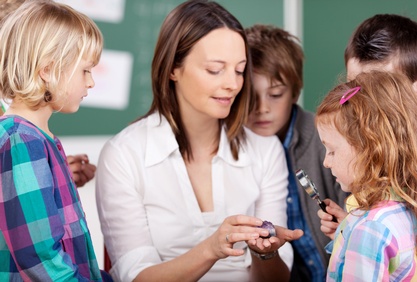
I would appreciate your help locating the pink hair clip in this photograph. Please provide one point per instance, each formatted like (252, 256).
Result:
(349, 94)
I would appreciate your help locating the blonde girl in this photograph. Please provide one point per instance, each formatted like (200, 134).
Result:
(47, 52)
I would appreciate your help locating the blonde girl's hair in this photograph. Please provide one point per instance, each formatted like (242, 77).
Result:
(9, 6)
(44, 34)
(380, 122)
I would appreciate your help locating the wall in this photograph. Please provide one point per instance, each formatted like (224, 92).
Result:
(328, 25)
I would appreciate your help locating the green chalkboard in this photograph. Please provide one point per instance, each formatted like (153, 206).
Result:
(137, 34)
(328, 25)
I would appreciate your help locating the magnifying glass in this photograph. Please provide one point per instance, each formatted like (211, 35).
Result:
(311, 189)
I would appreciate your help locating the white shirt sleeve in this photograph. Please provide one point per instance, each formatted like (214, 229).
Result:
(122, 214)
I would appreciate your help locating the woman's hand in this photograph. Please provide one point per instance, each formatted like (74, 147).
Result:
(237, 228)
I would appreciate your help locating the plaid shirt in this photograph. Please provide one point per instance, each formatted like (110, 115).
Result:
(44, 234)
(374, 245)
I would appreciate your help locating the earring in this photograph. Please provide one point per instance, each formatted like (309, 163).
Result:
(47, 97)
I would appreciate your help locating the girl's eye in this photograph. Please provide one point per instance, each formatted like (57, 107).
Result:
(240, 72)
(330, 153)
(87, 71)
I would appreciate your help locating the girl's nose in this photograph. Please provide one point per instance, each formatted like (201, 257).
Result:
(326, 163)
(90, 82)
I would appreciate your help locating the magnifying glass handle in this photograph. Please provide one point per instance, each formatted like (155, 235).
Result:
(323, 208)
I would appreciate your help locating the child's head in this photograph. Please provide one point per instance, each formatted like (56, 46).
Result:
(370, 139)
(41, 45)
(383, 42)
(277, 60)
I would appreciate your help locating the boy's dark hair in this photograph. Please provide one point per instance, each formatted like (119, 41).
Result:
(383, 38)
(276, 54)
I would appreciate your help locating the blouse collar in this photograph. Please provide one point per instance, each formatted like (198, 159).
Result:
(161, 143)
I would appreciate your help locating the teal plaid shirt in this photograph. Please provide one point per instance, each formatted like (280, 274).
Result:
(43, 231)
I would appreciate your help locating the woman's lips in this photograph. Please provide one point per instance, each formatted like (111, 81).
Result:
(223, 100)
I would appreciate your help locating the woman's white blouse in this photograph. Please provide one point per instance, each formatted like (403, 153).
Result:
(148, 210)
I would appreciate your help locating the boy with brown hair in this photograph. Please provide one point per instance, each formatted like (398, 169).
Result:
(277, 60)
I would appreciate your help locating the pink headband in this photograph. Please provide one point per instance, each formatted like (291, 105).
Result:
(349, 94)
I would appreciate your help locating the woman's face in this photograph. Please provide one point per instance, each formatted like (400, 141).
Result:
(211, 76)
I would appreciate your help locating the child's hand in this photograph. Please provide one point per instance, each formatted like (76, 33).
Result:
(82, 170)
(328, 227)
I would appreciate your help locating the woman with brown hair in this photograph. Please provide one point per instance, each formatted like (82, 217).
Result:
(183, 191)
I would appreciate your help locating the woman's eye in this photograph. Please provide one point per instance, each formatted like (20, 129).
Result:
(240, 72)
(213, 72)
(330, 153)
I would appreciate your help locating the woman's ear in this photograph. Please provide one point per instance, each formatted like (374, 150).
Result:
(45, 73)
(174, 74)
